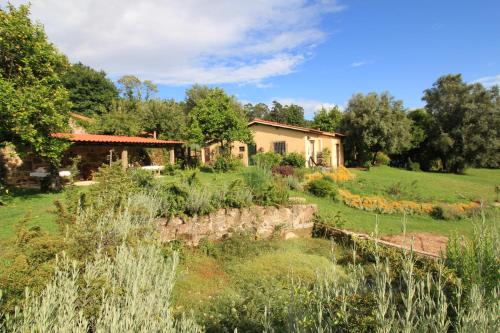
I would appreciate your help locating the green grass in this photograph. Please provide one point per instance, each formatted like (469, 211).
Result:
(202, 278)
(31, 205)
(475, 184)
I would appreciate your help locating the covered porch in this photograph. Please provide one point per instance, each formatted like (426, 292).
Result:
(94, 150)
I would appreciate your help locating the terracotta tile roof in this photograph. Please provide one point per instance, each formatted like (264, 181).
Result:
(97, 138)
(292, 127)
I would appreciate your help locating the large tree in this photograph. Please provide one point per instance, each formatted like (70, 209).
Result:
(166, 118)
(33, 101)
(375, 123)
(90, 91)
(327, 119)
(292, 114)
(259, 110)
(468, 116)
(218, 118)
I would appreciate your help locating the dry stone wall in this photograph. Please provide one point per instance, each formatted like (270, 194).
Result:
(263, 222)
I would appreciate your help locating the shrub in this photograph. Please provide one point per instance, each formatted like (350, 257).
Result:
(225, 163)
(294, 159)
(367, 165)
(283, 170)
(143, 178)
(326, 155)
(323, 187)
(236, 195)
(445, 212)
(293, 183)
(413, 166)
(266, 189)
(334, 219)
(198, 201)
(267, 160)
(382, 159)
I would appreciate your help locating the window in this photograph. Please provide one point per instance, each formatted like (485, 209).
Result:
(242, 149)
(279, 147)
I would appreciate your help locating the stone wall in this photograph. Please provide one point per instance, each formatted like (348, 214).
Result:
(263, 222)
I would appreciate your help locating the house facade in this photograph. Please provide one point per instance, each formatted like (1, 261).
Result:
(281, 138)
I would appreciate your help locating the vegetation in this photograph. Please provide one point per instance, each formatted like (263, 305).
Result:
(90, 92)
(33, 101)
(327, 119)
(372, 124)
(295, 160)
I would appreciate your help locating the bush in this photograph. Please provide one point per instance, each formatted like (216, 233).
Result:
(266, 189)
(367, 165)
(294, 159)
(267, 160)
(413, 166)
(143, 178)
(323, 187)
(445, 212)
(236, 195)
(283, 170)
(198, 201)
(293, 183)
(225, 163)
(382, 159)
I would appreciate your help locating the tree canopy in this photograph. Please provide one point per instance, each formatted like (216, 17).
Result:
(33, 101)
(327, 119)
(287, 114)
(375, 123)
(217, 117)
(90, 91)
(468, 120)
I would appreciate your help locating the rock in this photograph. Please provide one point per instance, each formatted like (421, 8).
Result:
(257, 220)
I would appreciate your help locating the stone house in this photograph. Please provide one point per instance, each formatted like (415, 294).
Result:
(283, 139)
(26, 169)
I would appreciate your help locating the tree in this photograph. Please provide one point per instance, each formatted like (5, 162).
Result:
(166, 118)
(118, 121)
(286, 114)
(259, 110)
(217, 118)
(90, 91)
(375, 123)
(131, 87)
(327, 119)
(33, 101)
(468, 118)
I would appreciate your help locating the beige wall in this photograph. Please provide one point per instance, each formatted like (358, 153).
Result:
(295, 141)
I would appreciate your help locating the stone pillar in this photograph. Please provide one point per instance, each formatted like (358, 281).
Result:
(125, 158)
(171, 155)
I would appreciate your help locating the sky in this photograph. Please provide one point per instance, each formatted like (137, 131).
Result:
(312, 53)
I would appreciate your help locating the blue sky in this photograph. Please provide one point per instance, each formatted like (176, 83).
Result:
(307, 52)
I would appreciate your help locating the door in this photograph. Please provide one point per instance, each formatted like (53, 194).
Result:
(312, 153)
(207, 154)
(252, 150)
(337, 153)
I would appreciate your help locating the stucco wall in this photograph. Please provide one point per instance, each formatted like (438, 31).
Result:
(295, 142)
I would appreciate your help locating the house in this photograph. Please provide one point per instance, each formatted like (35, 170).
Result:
(93, 150)
(283, 139)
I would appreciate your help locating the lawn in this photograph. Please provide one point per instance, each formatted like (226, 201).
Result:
(30, 205)
(475, 184)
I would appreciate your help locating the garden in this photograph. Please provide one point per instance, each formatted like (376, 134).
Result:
(90, 237)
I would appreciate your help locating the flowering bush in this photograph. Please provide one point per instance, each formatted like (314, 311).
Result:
(339, 175)
(284, 170)
(384, 206)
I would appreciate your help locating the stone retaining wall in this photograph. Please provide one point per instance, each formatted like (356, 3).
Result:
(263, 222)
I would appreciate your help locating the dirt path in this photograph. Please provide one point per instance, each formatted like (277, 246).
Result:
(422, 241)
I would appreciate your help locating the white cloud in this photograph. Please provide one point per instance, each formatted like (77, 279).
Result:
(181, 42)
(310, 105)
(359, 63)
(488, 81)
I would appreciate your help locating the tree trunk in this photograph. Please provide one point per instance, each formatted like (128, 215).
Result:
(374, 158)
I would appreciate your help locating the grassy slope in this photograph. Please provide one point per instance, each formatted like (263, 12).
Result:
(203, 278)
(32, 205)
(476, 184)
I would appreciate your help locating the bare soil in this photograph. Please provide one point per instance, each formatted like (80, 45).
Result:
(422, 241)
